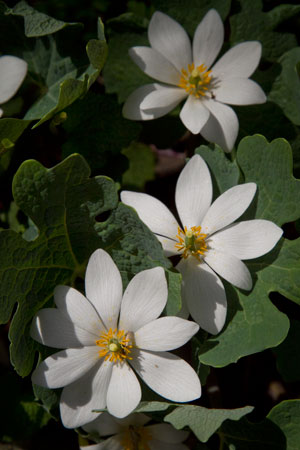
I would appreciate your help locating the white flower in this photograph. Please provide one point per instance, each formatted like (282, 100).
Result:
(208, 241)
(12, 73)
(131, 434)
(105, 337)
(188, 72)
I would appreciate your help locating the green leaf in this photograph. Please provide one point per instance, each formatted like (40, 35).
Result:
(280, 430)
(286, 88)
(252, 23)
(283, 264)
(66, 79)
(202, 421)
(287, 354)
(60, 64)
(48, 397)
(149, 407)
(141, 166)
(96, 129)
(270, 166)
(286, 416)
(10, 131)
(190, 16)
(121, 75)
(63, 203)
(174, 304)
(225, 173)
(253, 322)
(36, 23)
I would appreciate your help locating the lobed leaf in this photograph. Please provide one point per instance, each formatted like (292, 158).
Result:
(36, 23)
(285, 91)
(202, 421)
(253, 322)
(63, 203)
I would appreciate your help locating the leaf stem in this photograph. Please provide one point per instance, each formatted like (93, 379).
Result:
(222, 440)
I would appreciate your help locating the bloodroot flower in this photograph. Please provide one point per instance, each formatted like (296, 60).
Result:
(207, 240)
(186, 71)
(12, 73)
(131, 434)
(105, 337)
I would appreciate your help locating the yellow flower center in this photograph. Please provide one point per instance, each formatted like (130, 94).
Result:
(192, 242)
(136, 438)
(115, 345)
(196, 80)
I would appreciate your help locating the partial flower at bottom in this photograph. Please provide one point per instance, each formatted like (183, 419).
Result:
(133, 433)
(107, 339)
(207, 240)
(12, 73)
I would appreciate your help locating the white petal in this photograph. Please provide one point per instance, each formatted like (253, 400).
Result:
(105, 425)
(228, 207)
(240, 61)
(103, 287)
(193, 193)
(230, 268)
(167, 433)
(239, 91)
(65, 367)
(170, 39)
(164, 97)
(153, 213)
(213, 132)
(78, 309)
(167, 375)
(166, 333)
(194, 115)
(227, 120)
(204, 293)
(168, 246)
(12, 73)
(79, 399)
(155, 65)
(112, 443)
(208, 39)
(50, 327)
(247, 240)
(132, 108)
(124, 391)
(144, 299)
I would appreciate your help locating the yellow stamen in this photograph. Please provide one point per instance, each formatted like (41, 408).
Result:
(191, 242)
(196, 81)
(136, 438)
(115, 345)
